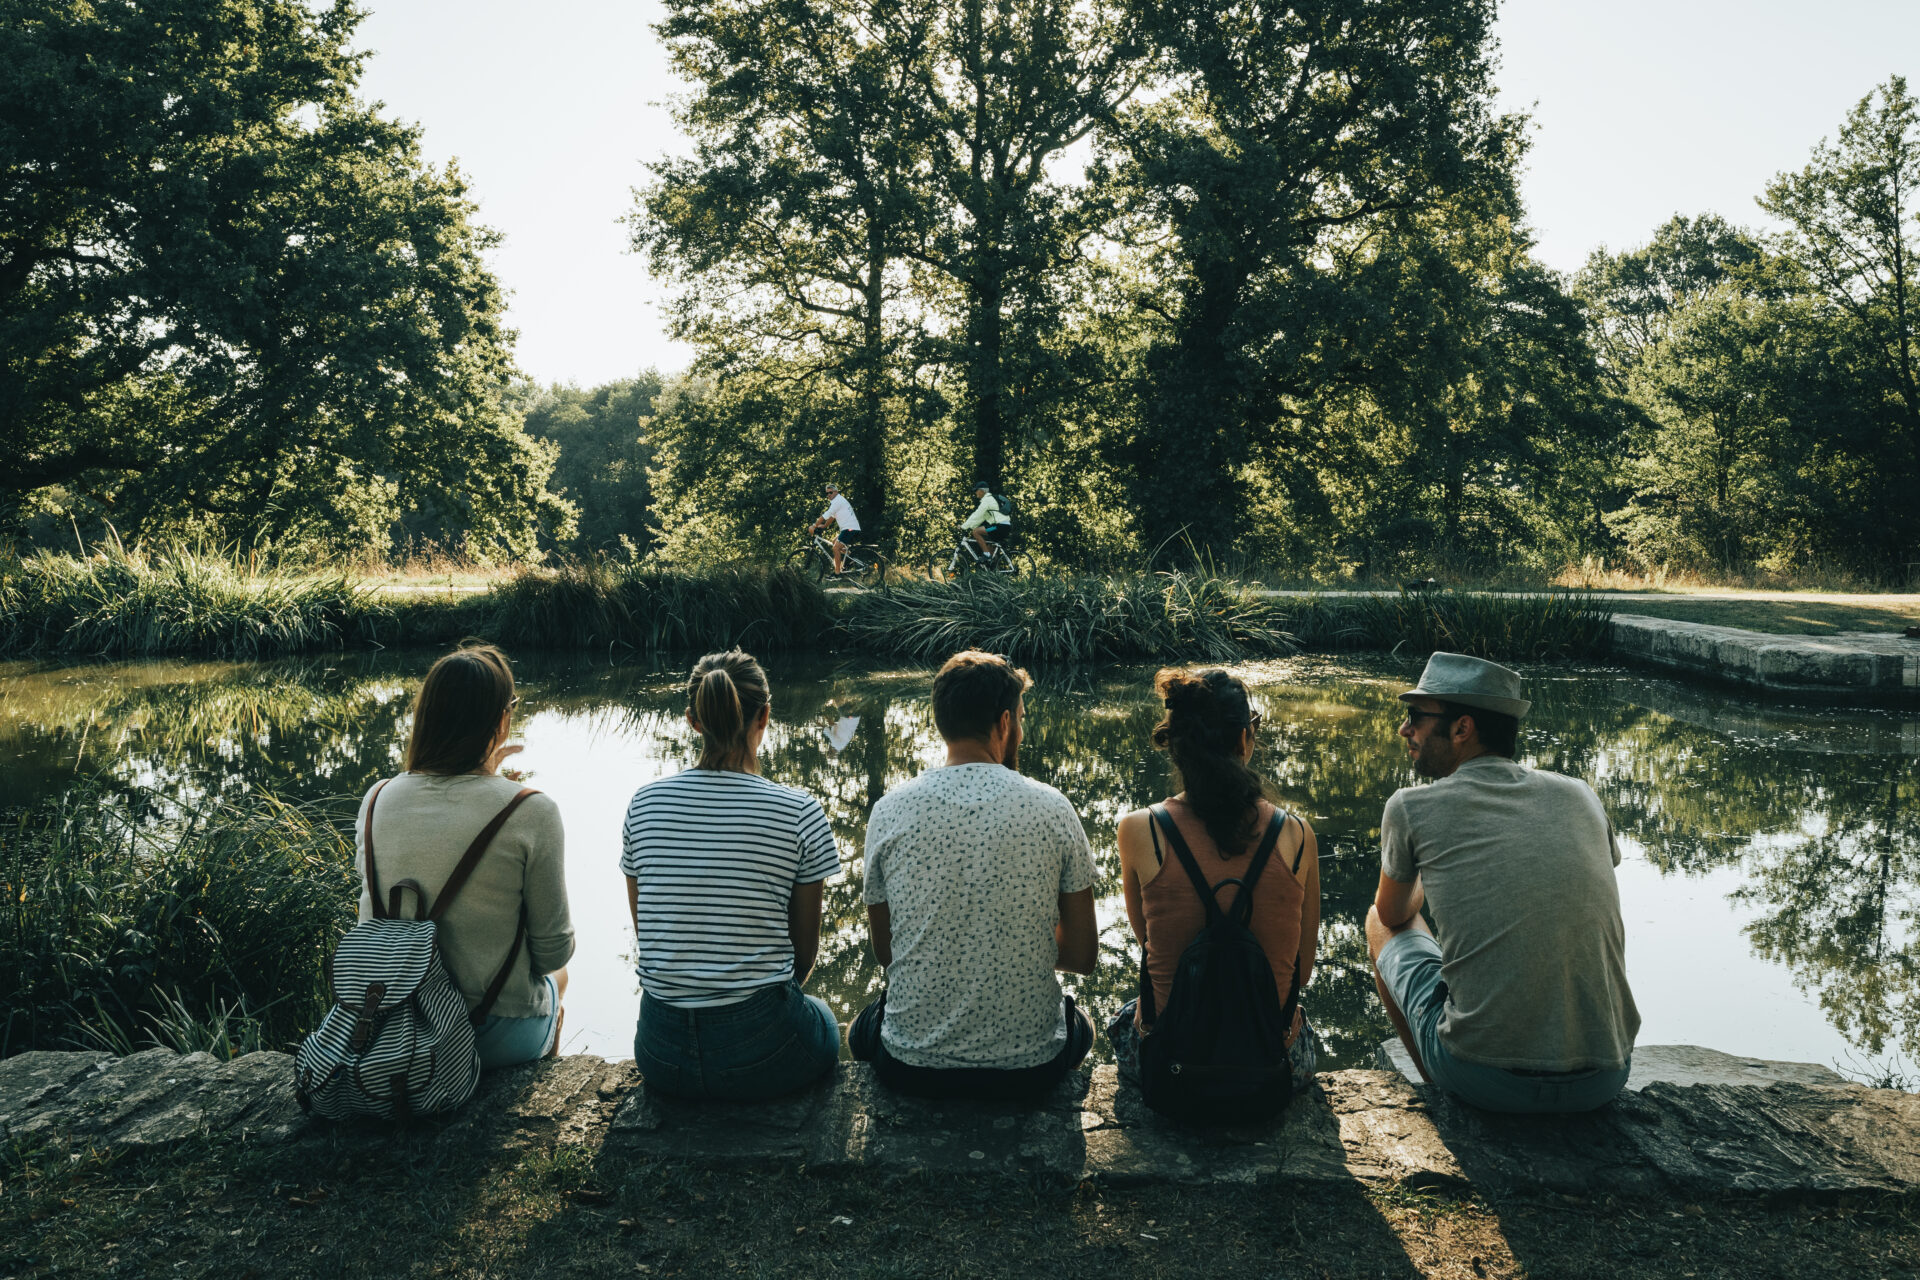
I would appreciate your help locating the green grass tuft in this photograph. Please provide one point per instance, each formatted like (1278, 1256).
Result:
(211, 931)
(174, 601)
(600, 603)
(1521, 628)
(1086, 618)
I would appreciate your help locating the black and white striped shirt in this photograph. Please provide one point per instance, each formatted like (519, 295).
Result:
(715, 856)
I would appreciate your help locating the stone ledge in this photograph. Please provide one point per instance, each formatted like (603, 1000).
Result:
(1850, 664)
(1358, 1126)
(1676, 1064)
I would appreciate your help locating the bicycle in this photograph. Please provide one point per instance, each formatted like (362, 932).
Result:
(968, 558)
(862, 563)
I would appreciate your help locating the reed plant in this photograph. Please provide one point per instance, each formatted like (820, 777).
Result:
(605, 603)
(1080, 618)
(1525, 628)
(174, 600)
(210, 930)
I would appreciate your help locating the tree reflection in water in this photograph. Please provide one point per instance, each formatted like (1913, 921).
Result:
(1812, 808)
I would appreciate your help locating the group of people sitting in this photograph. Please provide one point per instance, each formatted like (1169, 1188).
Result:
(979, 889)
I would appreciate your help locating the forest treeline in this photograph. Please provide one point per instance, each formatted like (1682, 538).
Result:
(1183, 277)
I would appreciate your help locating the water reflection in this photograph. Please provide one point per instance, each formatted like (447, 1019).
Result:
(1797, 817)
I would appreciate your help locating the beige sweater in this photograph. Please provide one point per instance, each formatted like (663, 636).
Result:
(423, 824)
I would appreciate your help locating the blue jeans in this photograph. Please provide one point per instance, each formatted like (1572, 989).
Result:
(775, 1041)
(507, 1042)
(1409, 965)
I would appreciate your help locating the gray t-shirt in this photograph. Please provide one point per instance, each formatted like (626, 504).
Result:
(1518, 869)
(971, 861)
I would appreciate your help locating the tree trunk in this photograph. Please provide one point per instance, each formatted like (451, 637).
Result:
(987, 326)
(875, 491)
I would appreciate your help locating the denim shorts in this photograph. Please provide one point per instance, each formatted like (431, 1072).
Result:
(1303, 1055)
(506, 1042)
(775, 1041)
(1409, 965)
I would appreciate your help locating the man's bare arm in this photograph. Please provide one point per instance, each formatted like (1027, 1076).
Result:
(1077, 936)
(1398, 901)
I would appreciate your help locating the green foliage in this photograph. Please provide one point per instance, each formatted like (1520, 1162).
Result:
(209, 930)
(1778, 411)
(603, 455)
(1169, 616)
(174, 600)
(1520, 628)
(602, 603)
(234, 300)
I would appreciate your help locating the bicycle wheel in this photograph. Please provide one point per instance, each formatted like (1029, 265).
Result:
(1014, 564)
(861, 566)
(807, 561)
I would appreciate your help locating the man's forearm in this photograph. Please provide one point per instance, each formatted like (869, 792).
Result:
(1399, 908)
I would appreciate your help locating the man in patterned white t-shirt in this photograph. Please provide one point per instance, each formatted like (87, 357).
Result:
(979, 885)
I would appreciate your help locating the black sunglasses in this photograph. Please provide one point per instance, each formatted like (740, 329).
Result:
(1413, 717)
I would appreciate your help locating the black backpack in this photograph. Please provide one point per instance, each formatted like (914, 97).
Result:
(1218, 1051)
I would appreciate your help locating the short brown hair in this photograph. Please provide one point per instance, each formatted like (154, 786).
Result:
(458, 710)
(971, 691)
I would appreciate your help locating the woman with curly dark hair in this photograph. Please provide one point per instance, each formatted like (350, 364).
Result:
(1222, 817)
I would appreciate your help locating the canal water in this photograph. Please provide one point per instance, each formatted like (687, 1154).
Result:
(1770, 881)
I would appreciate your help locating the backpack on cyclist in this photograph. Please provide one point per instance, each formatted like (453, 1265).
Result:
(1218, 1051)
(1005, 503)
(399, 1039)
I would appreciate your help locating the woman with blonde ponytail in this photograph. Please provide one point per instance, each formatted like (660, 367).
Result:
(725, 872)
(1219, 816)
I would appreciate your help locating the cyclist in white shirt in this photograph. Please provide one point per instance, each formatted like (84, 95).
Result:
(839, 512)
(987, 519)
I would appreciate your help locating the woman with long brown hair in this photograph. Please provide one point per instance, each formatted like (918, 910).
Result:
(505, 934)
(725, 872)
(1221, 814)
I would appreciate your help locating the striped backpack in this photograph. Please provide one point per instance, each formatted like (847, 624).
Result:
(399, 1040)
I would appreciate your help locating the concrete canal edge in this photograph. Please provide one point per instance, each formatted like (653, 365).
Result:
(1794, 1134)
(1852, 665)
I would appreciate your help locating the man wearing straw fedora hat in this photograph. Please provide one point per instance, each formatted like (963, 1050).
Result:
(1521, 1003)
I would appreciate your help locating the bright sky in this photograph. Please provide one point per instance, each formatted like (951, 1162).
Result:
(1642, 108)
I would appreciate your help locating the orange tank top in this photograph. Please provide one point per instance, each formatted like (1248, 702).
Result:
(1175, 914)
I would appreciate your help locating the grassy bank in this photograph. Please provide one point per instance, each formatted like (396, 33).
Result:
(1164, 616)
(209, 931)
(1527, 628)
(157, 603)
(143, 603)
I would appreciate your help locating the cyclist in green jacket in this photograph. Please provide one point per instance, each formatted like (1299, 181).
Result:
(987, 519)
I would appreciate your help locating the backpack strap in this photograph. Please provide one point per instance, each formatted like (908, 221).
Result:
(499, 983)
(1160, 815)
(457, 881)
(366, 848)
(475, 851)
(1243, 901)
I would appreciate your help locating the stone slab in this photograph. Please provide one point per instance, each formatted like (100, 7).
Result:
(1680, 1064)
(1706, 1129)
(1852, 664)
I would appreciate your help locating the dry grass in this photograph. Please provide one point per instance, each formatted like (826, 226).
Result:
(1597, 573)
